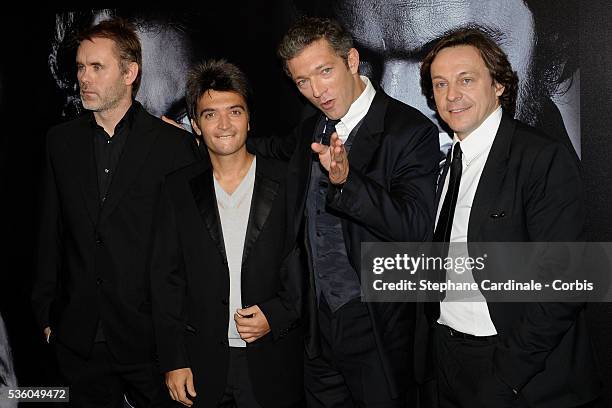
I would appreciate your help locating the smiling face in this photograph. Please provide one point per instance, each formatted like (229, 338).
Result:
(323, 77)
(464, 90)
(103, 84)
(222, 121)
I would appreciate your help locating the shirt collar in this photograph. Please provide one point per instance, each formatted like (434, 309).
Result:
(127, 119)
(481, 139)
(357, 110)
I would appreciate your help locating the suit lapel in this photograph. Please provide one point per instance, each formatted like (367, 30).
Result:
(368, 136)
(300, 172)
(442, 178)
(85, 165)
(264, 193)
(135, 152)
(203, 192)
(365, 145)
(492, 177)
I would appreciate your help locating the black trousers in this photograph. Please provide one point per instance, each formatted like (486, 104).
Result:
(466, 377)
(102, 381)
(349, 372)
(239, 390)
(462, 365)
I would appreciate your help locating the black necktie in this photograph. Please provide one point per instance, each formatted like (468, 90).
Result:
(330, 127)
(445, 225)
(445, 220)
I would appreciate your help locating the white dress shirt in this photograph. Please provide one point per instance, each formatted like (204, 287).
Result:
(470, 317)
(357, 111)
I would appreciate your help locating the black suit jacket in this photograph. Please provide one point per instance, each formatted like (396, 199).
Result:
(190, 286)
(389, 196)
(545, 351)
(92, 259)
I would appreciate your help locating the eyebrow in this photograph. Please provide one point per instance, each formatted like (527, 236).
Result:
(417, 54)
(88, 63)
(414, 54)
(206, 110)
(462, 73)
(317, 68)
(203, 111)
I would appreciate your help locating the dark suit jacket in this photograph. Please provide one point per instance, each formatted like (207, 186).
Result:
(190, 286)
(545, 351)
(92, 261)
(389, 196)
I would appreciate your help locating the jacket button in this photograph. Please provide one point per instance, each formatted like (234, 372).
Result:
(98, 240)
(99, 281)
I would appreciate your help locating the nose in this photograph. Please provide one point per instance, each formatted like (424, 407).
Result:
(454, 93)
(224, 121)
(317, 88)
(83, 76)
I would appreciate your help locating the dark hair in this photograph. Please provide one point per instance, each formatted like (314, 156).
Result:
(494, 59)
(310, 29)
(123, 34)
(216, 75)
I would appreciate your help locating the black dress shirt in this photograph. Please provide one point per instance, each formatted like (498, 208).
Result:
(107, 152)
(108, 149)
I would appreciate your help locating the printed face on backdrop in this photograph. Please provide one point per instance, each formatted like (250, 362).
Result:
(166, 58)
(394, 35)
(222, 121)
(324, 78)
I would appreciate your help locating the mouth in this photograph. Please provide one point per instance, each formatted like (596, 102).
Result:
(224, 137)
(328, 104)
(458, 110)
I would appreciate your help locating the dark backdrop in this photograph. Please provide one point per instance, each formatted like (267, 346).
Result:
(247, 35)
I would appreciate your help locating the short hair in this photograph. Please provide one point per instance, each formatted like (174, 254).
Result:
(123, 34)
(216, 75)
(494, 59)
(307, 30)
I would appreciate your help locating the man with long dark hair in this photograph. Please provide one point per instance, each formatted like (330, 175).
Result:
(503, 182)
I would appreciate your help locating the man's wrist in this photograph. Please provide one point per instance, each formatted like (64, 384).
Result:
(341, 184)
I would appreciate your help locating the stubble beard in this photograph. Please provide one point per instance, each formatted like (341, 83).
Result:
(108, 100)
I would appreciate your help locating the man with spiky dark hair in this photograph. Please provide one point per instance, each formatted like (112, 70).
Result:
(226, 281)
